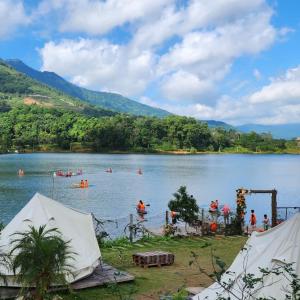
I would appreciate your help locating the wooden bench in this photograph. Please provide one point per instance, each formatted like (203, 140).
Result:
(154, 258)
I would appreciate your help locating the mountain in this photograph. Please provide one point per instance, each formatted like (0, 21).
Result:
(285, 131)
(215, 124)
(282, 131)
(105, 100)
(16, 87)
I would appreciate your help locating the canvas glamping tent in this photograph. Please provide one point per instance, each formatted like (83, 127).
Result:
(276, 247)
(74, 226)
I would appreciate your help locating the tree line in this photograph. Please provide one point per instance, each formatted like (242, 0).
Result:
(25, 126)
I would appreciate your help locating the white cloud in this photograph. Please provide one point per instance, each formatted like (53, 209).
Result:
(183, 86)
(284, 89)
(12, 15)
(197, 14)
(99, 65)
(209, 54)
(275, 103)
(96, 17)
(210, 36)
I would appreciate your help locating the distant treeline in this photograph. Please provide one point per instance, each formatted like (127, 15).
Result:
(29, 127)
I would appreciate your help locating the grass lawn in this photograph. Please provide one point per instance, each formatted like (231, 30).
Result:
(150, 283)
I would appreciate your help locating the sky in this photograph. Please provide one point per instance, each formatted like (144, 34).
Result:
(230, 60)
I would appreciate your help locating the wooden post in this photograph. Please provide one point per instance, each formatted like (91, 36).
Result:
(131, 228)
(274, 208)
(167, 218)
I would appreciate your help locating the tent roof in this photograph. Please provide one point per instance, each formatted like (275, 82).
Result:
(74, 226)
(275, 247)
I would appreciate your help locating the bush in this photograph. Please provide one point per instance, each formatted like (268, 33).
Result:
(185, 205)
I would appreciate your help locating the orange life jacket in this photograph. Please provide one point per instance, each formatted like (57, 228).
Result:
(213, 227)
(141, 206)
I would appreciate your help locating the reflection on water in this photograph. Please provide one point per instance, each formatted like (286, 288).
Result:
(115, 194)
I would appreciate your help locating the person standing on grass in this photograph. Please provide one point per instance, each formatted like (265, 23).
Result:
(266, 222)
(253, 219)
(173, 217)
(213, 209)
(226, 212)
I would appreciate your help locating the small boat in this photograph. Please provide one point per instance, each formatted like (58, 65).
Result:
(60, 173)
(78, 186)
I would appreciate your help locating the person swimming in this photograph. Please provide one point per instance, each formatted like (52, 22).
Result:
(109, 170)
(140, 207)
(139, 171)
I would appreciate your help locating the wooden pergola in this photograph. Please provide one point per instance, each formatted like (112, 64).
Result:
(273, 200)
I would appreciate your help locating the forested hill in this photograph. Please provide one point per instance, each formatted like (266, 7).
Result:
(105, 100)
(32, 128)
(16, 88)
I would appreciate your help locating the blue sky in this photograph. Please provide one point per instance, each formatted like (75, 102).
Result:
(231, 60)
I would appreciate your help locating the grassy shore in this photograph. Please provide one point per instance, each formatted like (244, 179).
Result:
(82, 149)
(151, 283)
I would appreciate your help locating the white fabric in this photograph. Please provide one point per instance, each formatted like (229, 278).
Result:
(74, 226)
(277, 246)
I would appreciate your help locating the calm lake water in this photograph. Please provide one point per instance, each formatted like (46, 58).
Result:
(207, 177)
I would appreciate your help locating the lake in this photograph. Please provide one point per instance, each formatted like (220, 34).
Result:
(207, 177)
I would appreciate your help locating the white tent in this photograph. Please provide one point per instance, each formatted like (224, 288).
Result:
(73, 225)
(276, 247)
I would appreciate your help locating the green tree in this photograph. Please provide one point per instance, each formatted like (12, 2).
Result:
(185, 205)
(40, 258)
(221, 138)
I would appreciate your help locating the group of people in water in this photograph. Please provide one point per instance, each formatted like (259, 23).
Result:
(139, 171)
(68, 173)
(84, 184)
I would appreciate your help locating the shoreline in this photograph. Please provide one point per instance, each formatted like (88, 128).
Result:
(157, 152)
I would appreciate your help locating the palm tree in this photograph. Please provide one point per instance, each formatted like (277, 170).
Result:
(39, 259)
(4, 265)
